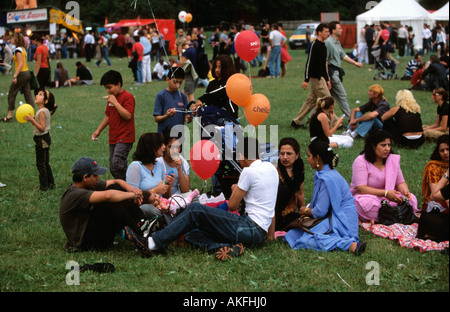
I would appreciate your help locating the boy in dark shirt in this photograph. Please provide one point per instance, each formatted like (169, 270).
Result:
(93, 211)
(170, 102)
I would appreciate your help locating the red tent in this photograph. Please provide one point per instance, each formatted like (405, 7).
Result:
(165, 26)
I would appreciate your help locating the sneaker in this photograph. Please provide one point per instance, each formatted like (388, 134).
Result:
(148, 227)
(227, 252)
(140, 242)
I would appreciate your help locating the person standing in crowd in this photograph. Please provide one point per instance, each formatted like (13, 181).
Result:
(402, 40)
(426, 39)
(21, 78)
(146, 58)
(119, 118)
(335, 53)
(103, 45)
(41, 67)
(88, 46)
(316, 74)
(276, 40)
(363, 51)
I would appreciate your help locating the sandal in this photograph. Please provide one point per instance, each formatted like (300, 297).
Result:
(7, 119)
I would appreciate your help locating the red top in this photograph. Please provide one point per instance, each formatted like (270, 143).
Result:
(43, 51)
(121, 130)
(140, 50)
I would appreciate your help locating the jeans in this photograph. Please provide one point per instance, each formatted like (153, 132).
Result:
(365, 126)
(139, 72)
(104, 53)
(210, 228)
(274, 61)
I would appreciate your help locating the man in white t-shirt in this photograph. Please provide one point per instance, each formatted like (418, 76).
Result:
(277, 40)
(219, 230)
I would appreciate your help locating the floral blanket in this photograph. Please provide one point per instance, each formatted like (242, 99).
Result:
(406, 235)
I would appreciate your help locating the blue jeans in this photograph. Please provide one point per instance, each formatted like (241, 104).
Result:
(139, 72)
(365, 126)
(210, 228)
(274, 61)
(104, 51)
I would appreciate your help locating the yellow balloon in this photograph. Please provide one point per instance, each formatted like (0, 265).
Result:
(22, 111)
(188, 18)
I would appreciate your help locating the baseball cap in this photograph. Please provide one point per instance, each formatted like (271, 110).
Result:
(86, 165)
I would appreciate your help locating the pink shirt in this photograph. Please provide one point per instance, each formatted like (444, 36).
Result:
(365, 173)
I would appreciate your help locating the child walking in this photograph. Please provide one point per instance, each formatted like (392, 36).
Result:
(119, 116)
(45, 102)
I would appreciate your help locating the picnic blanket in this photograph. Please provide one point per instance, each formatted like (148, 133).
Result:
(406, 236)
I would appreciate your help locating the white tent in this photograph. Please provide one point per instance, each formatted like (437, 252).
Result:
(441, 14)
(406, 12)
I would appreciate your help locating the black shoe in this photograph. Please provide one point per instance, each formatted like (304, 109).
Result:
(295, 126)
(140, 242)
(227, 252)
(360, 248)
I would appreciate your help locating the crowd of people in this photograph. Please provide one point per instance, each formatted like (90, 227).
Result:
(139, 198)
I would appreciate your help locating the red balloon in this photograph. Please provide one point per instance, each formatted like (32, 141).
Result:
(385, 34)
(247, 45)
(205, 158)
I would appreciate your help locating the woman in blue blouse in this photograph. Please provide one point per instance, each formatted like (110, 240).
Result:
(147, 173)
(331, 195)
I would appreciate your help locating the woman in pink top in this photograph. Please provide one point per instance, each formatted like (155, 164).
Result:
(377, 176)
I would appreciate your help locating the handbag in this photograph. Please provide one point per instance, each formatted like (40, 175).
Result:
(403, 213)
(306, 223)
(34, 83)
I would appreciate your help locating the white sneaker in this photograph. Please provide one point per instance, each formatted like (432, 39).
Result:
(2, 185)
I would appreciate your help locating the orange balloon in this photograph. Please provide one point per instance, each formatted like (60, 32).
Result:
(257, 110)
(239, 89)
(188, 18)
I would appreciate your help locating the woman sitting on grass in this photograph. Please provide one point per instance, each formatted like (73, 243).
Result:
(290, 197)
(147, 173)
(403, 121)
(320, 128)
(434, 170)
(440, 126)
(376, 176)
(331, 197)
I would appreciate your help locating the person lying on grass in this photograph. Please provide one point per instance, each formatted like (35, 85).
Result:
(217, 230)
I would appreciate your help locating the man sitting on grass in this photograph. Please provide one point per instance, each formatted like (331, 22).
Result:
(93, 211)
(216, 229)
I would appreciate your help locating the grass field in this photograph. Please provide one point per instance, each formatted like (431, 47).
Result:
(32, 257)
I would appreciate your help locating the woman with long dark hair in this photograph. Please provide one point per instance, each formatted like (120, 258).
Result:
(377, 176)
(290, 197)
(216, 94)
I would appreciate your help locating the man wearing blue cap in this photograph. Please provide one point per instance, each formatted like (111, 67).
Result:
(93, 211)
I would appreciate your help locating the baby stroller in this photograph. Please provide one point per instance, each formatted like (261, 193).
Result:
(385, 69)
(225, 131)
